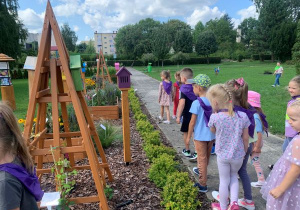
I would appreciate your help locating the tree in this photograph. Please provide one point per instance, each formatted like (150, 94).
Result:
(296, 50)
(172, 26)
(69, 37)
(206, 44)
(90, 48)
(80, 48)
(148, 57)
(248, 30)
(12, 30)
(183, 41)
(199, 27)
(179, 57)
(160, 42)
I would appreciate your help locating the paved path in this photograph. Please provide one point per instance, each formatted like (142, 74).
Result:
(147, 90)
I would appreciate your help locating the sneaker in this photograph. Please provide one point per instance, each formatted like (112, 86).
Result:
(257, 184)
(243, 203)
(216, 196)
(215, 206)
(186, 153)
(166, 122)
(201, 188)
(160, 118)
(273, 85)
(234, 206)
(270, 166)
(174, 117)
(196, 171)
(193, 156)
(213, 150)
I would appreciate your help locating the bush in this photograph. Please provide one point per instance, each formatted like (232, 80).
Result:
(240, 58)
(162, 166)
(144, 126)
(152, 137)
(155, 151)
(108, 136)
(140, 116)
(179, 193)
(19, 74)
(25, 74)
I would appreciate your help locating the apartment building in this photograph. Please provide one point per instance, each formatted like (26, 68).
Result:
(105, 42)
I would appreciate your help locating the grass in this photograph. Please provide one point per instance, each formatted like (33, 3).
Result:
(274, 100)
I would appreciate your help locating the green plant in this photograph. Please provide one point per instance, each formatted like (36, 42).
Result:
(140, 116)
(62, 176)
(152, 137)
(144, 126)
(109, 192)
(73, 123)
(179, 193)
(162, 166)
(108, 136)
(155, 151)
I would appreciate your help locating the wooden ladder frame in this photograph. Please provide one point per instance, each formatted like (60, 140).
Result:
(42, 95)
(101, 64)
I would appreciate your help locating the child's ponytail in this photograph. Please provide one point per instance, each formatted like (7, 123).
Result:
(229, 101)
(166, 74)
(239, 88)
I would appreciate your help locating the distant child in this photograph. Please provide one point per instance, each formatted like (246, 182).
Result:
(217, 70)
(254, 101)
(232, 141)
(165, 95)
(186, 99)
(176, 92)
(282, 188)
(278, 72)
(19, 186)
(290, 132)
(203, 137)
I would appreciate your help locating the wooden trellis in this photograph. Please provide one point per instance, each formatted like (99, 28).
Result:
(101, 64)
(42, 94)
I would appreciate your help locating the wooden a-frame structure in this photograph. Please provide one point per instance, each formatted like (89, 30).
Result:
(42, 94)
(101, 64)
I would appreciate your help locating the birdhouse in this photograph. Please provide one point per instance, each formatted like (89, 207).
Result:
(123, 76)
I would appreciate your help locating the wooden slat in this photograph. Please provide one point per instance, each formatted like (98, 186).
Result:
(91, 199)
(47, 99)
(41, 136)
(45, 70)
(103, 108)
(79, 168)
(64, 150)
(64, 135)
(43, 93)
(47, 63)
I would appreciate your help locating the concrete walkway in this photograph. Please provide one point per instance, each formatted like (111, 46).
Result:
(147, 90)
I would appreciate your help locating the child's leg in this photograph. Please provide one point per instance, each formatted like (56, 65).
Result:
(162, 111)
(235, 165)
(209, 148)
(186, 141)
(224, 176)
(168, 112)
(175, 106)
(256, 163)
(202, 160)
(245, 177)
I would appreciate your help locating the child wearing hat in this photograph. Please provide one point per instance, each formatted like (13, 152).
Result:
(203, 137)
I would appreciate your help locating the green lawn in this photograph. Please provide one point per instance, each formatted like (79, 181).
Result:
(274, 100)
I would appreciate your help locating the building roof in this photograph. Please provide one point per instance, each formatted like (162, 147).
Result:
(123, 69)
(4, 57)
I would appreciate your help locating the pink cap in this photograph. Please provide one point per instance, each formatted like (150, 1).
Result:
(254, 98)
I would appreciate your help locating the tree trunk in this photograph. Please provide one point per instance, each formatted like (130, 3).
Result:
(272, 56)
(207, 59)
(162, 63)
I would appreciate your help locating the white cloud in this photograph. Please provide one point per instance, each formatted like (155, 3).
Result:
(248, 12)
(76, 28)
(204, 14)
(32, 20)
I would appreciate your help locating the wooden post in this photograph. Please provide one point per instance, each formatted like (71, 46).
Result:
(83, 79)
(8, 95)
(30, 80)
(126, 125)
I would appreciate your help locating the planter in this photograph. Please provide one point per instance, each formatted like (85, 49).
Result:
(104, 112)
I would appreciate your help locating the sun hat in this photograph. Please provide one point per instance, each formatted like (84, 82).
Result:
(254, 98)
(201, 79)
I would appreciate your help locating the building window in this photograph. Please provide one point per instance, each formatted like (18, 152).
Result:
(105, 42)
(105, 47)
(105, 37)
(105, 52)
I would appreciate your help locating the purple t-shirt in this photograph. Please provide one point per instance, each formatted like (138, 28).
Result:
(229, 130)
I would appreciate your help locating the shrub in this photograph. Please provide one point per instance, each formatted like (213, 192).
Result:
(140, 116)
(179, 193)
(144, 126)
(162, 166)
(108, 136)
(155, 151)
(152, 137)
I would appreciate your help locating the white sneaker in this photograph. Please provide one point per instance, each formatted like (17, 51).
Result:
(166, 122)
(257, 184)
(216, 196)
(160, 118)
(174, 117)
(243, 203)
(273, 85)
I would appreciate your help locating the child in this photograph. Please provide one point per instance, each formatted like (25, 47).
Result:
(19, 186)
(232, 141)
(290, 133)
(203, 137)
(186, 99)
(254, 101)
(282, 189)
(278, 73)
(217, 70)
(176, 92)
(165, 95)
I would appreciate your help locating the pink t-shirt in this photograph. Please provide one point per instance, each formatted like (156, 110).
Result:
(229, 130)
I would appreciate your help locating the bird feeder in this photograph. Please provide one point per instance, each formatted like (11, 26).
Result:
(7, 89)
(123, 76)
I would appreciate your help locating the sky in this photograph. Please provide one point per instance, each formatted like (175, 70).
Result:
(87, 16)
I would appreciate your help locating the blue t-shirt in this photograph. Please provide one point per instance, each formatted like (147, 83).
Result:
(201, 131)
(258, 124)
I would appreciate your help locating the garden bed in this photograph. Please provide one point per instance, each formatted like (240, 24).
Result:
(104, 112)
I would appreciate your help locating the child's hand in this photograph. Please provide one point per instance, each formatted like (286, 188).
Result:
(178, 120)
(276, 192)
(256, 150)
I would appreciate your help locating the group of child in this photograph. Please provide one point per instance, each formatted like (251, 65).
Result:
(231, 116)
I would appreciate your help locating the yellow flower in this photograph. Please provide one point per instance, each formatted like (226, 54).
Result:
(20, 121)
(24, 122)
(59, 120)
(61, 124)
(34, 120)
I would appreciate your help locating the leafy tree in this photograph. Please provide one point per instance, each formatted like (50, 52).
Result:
(148, 57)
(248, 30)
(12, 30)
(160, 42)
(296, 50)
(179, 57)
(199, 27)
(172, 26)
(206, 44)
(69, 37)
(90, 48)
(80, 48)
(183, 41)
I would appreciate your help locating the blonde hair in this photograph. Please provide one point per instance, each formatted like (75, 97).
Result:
(240, 92)
(187, 73)
(166, 74)
(177, 76)
(221, 94)
(295, 104)
(296, 79)
(11, 139)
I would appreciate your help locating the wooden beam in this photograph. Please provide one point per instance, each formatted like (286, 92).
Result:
(64, 150)
(79, 168)
(40, 137)
(47, 63)
(43, 93)
(64, 135)
(61, 99)
(91, 199)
